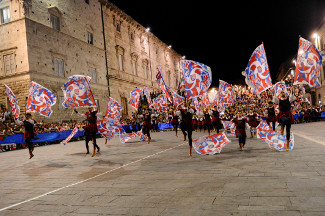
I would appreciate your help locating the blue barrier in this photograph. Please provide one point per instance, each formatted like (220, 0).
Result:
(322, 114)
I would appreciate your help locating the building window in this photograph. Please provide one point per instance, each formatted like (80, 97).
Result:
(9, 63)
(93, 75)
(120, 61)
(97, 104)
(55, 22)
(90, 38)
(59, 67)
(134, 67)
(124, 101)
(87, 1)
(5, 15)
(118, 26)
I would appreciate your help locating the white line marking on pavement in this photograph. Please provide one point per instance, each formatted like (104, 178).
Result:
(309, 138)
(96, 176)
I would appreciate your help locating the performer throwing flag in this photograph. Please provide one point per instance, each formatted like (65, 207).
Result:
(285, 117)
(216, 122)
(271, 118)
(90, 129)
(146, 126)
(28, 123)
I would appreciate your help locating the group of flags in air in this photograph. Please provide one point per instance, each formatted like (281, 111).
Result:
(196, 80)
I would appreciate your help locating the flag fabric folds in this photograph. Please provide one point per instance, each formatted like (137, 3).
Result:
(279, 87)
(226, 93)
(257, 74)
(135, 98)
(13, 102)
(126, 137)
(75, 130)
(162, 84)
(211, 144)
(197, 78)
(277, 141)
(40, 100)
(77, 92)
(146, 92)
(109, 128)
(160, 103)
(113, 109)
(177, 99)
(309, 63)
(205, 100)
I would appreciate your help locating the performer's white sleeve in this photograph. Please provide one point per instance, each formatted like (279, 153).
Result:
(82, 115)
(275, 100)
(247, 125)
(19, 122)
(292, 98)
(31, 121)
(233, 126)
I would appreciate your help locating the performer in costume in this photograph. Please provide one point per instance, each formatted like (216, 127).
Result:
(271, 118)
(216, 122)
(285, 117)
(241, 124)
(252, 121)
(184, 121)
(175, 122)
(146, 125)
(28, 123)
(189, 127)
(207, 121)
(90, 128)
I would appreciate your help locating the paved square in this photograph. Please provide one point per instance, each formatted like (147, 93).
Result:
(161, 179)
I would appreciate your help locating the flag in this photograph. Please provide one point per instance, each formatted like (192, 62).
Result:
(113, 109)
(13, 102)
(226, 93)
(279, 87)
(143, 137)
(109, 128)
(40, 100)
(227, 125)
(126, 137)
(263, 129)
(77, 92)
(257, 74)
(211, 144)
(160, 103)
(277, 141)
(146, 92)
(135, 98)
(162, 84)
(205, 100)
(177, 99)
(197, 78)
(197, 106)
(75, 130)
(309, 63)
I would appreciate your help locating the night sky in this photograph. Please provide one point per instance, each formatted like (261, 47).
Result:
(223, 36)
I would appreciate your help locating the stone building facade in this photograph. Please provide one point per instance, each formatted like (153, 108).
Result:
(47, 41)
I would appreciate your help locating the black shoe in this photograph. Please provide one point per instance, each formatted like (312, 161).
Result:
(98, 149)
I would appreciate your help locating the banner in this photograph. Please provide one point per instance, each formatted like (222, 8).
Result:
(77, 92)
(309, 63)
(177, 99)
(135, 98)
(257, 74)
(40, 100)
(162, 84)
(211, 144)
(279, 87)
(226, 93)
(113, 109)
(13, 102)
(146, 92)
(160, 103)
(197, 78)
(75, 130)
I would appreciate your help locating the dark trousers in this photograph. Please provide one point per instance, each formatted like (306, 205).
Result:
(146, 131)
(91, 136)
(189, 135)
(273, 124)
(29, 144)
(241, 139)
(285, 122)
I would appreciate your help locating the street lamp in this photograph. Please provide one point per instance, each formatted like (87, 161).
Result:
(148, 29)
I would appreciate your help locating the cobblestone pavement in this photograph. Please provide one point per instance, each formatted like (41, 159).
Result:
(161, 179)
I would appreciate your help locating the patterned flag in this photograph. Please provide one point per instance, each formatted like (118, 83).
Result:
(263, 129)
(226, 93)
(75, 130)
(309, 63)
(211, 144)
(177, 99)
(205, 100)
(142, 136)
(126, 137)
(135, 98)
(215, 101)
(146, 92)
(162, 84)
(227, 126)
(197, 106)
(160, 103)
(77, 92)
(257, 74)
(40, 100)
(277, 141)
(13, 102)
(197, 78)
(109, 128)
(113, 109)
(279, 87)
